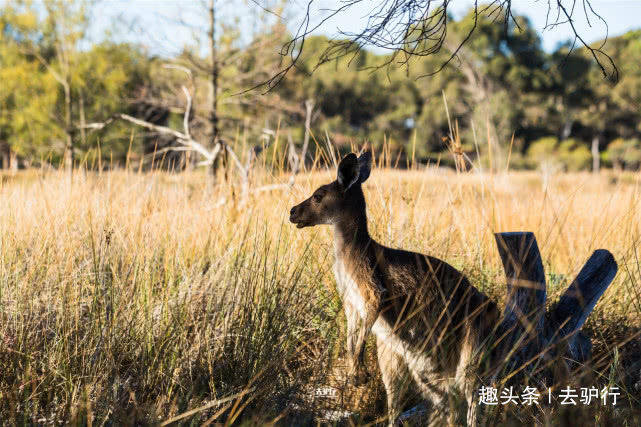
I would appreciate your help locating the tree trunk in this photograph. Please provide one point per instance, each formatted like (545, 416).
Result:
(69, 155)
(567, 129)
(578, 301)
(81, 112)
(526, 334)
(309, 107)
(596, 160)
(524, 317)
(292, 156)
(4, 149)
(213, 116)
(13, 161)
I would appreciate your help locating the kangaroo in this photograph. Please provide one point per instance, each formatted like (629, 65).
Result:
(429, 321)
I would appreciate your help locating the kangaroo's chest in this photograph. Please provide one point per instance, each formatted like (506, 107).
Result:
(355, 308)
(348, 290)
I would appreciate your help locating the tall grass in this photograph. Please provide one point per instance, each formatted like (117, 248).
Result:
(147, 297)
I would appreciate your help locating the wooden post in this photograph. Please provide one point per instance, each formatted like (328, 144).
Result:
(522, 331)
(523, 320)
(570, 313)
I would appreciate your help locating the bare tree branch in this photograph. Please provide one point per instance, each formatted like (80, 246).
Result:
(419, 28)
(597, 52)
(182, 138)
(187, 112)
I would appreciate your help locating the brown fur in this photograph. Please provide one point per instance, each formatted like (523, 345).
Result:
(430, 307)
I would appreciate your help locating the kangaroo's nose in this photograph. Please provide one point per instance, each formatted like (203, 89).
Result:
(292, 211)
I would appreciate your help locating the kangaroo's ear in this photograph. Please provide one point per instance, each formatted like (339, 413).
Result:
(348, 171)
(364, 166)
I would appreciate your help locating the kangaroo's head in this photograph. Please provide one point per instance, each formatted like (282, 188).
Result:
(338, 199)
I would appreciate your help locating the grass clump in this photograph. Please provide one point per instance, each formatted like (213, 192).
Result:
(140, 298)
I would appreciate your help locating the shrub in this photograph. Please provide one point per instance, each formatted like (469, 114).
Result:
(542, 153)
(550, 154)
(624, 153)
(574, 155)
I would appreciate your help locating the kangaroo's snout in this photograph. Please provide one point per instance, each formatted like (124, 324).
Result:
(295, 216)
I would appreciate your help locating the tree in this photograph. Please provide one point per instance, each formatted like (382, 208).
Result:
(53, 43)
(107, 77)
(612, 110)
(499, 83)
(63, 29)
(211, 83)
(503, 70)
(29, 92)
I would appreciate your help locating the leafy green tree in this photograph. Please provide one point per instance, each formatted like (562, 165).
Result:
(494, 85)
(571, 91)
(108, 77)
(29, 93)
(352, 102)
(50, 42)
(62, 30)
(53, 88)
(610, 110)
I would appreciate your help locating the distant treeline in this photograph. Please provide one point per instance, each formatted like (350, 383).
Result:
(60, 96)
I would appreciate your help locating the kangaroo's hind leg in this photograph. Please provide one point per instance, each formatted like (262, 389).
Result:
(432, 385)
(467, 374)
(396, 378)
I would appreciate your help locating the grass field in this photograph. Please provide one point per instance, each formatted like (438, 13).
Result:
(144, 297)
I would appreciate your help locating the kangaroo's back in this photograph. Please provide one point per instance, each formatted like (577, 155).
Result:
(434, 303)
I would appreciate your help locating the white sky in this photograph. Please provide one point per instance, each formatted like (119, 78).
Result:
(156, 27)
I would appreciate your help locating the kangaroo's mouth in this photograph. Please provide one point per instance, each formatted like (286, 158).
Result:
(300, 223)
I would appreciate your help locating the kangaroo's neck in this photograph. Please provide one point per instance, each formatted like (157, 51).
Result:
(350, 229)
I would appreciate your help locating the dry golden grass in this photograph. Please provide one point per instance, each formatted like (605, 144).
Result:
(140, 296)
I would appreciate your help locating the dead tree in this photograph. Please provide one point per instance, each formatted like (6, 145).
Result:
(185, 142)
(570, 313)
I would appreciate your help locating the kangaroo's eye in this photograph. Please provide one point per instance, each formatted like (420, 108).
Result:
(317, 197)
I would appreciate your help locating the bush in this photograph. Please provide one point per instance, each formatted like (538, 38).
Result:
(548, 153)
(624, 153)
(542, 153)
(574, 155)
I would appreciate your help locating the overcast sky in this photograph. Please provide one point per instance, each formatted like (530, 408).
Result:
(156, 25)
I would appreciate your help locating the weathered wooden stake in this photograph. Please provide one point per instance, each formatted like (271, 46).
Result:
(523, 320)
(578, 301)
(524, 334)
